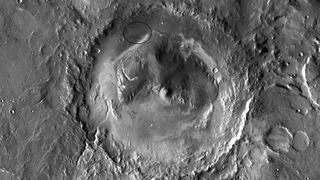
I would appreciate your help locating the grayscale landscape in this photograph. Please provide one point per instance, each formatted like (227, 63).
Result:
(159, 90)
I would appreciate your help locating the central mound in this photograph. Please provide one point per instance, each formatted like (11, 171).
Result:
(179, 80)
(166, 97)
(185, 79)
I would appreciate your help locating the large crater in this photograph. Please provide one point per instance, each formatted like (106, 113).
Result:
(168, 99)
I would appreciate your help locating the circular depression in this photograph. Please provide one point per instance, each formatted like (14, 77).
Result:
(137, 32)
(139, 123)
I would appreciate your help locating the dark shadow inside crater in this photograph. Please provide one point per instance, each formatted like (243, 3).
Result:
(187, 80)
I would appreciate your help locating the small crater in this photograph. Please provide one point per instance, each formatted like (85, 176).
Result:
(137, 32)
(279, 139)
(301, 141)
